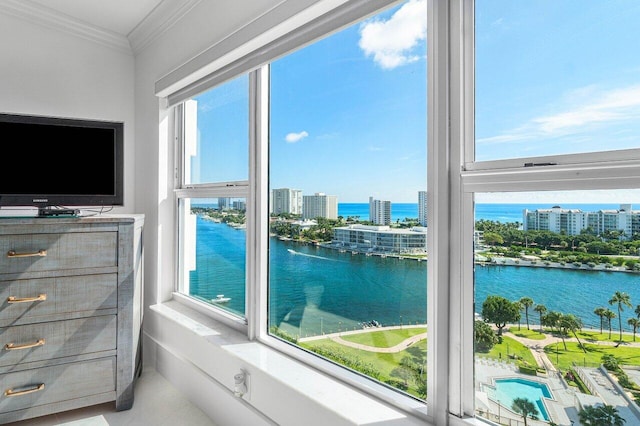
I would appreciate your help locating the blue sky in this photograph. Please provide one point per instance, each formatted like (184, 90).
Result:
(348, 113)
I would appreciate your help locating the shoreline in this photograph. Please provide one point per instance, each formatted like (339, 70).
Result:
(500, 261)
(510, 261)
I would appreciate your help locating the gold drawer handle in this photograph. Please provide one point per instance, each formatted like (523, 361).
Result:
(13, 253)
(11, 392)
(13, 346)
(12, 299)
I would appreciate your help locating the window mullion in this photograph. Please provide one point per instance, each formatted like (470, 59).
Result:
(438, 196)
(258, 232)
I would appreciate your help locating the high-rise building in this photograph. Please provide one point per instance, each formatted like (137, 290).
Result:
(422, 207)
(224, 203)
(319, 205)
(285, 200)
(573, 221)
(379, 211)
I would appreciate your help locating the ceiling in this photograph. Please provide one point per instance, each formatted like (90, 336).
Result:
(118, 16)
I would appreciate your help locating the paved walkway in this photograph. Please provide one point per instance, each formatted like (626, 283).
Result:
(393, 349)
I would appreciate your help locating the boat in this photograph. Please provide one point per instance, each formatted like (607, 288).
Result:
(220, 299)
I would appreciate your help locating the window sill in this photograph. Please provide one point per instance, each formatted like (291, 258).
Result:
(279, 387)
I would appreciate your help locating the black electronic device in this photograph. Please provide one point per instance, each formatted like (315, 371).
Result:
(55, 163)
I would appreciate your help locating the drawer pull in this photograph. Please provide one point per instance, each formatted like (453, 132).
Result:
(13, 346)
(13, 253)
(12, 299)
(11, 392)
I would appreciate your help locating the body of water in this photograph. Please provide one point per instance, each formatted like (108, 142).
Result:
(342, 290)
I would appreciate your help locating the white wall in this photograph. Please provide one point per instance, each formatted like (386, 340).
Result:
(45, 71)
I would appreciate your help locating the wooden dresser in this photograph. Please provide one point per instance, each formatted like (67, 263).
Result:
(70, 313)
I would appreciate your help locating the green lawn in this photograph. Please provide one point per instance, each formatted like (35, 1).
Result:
(508, 349)
(563, 359)
(527, 334)
(383, 338)
(386, 364)
(596, 336)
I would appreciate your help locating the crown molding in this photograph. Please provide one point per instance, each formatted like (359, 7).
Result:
(156, 23)
(40, 15)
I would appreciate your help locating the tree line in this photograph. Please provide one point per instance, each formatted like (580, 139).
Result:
(501, 311)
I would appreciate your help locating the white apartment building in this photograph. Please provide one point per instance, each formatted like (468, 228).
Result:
(573, 221)
(422, 207)
(286, 200)
(381, 239)
(379, 211)
(319, 205)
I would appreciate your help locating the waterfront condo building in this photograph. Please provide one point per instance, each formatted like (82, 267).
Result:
(379, 211)
(285, 200)
(381, 239)
(319, 205)
(574, 221)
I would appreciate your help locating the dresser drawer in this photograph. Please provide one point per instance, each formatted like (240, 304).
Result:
(73, 296)
(63, 382)
(56, 339)
(47, 252)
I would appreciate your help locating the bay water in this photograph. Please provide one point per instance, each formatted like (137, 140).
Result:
(349, 289)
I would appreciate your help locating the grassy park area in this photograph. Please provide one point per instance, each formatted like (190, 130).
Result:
(405, 369)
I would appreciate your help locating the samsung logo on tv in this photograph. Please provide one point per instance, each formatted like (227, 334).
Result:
(40, 200)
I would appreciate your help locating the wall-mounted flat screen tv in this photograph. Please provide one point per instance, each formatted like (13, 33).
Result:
(53, 162)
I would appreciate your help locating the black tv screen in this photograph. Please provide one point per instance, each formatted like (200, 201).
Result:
(60, 162)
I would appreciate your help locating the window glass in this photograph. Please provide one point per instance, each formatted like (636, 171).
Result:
(557, 306)
(213, 241)
(347, 252)
(217, 135)
(556, 77)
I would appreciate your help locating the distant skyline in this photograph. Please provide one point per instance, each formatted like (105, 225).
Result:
(349, 117)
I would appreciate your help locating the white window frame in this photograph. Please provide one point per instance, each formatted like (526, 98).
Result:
(614, 169)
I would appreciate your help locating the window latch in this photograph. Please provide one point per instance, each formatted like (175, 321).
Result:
(539, 164)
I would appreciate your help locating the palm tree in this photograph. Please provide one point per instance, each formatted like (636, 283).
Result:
(620, 298)
(526, 302)
(552, 319)
(610, 416)
(609, 315)
(541, 310)
(524, 407)
(600, 312)
(518, 306)
(571, 323)
(635, 323)
(604, 415)
(637, 311)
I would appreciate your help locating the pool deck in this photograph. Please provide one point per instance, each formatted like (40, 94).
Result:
(563, 409)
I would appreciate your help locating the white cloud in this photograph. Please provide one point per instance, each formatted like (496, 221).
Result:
(587, 107)
(393, 42)
(295, 137)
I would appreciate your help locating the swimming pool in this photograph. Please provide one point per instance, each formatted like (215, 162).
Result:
(505, 391)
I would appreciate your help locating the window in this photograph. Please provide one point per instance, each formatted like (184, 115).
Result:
(213, 197)
(556, 240)
(347, 256)
(556, 78)
(347, 236)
